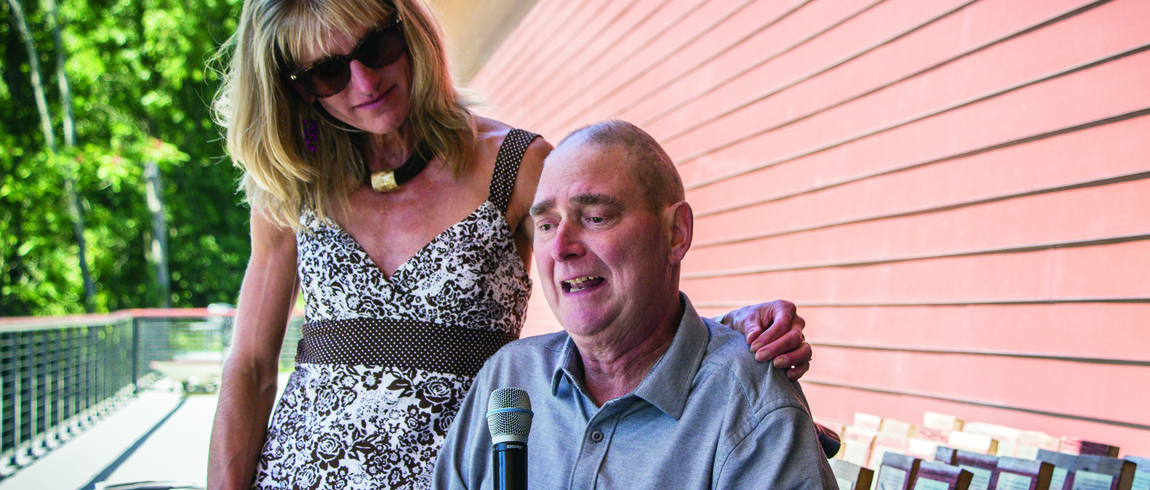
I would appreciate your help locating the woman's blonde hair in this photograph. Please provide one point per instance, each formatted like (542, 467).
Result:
(263, 115)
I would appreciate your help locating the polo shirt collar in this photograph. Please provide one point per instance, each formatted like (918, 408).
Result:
(668, 384)
(569, 367)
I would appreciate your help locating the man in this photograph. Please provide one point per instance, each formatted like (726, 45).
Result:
(638, 391)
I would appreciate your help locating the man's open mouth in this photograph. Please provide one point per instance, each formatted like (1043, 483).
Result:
(581, 283)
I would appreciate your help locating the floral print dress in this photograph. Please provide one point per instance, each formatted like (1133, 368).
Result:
(384, 363)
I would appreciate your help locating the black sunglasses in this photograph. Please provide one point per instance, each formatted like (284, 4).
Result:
(329, 76)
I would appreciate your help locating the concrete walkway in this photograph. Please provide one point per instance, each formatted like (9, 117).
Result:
(162, 435)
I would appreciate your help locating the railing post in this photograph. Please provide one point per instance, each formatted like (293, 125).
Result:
(38, 394)
(17, 399)
(104, 374)
(86, 361)
(95, 374)
(71, 383)
(76, 384)
(49, 387)
(3, 420)
(58, 383)
(135, 356)
(18, 405)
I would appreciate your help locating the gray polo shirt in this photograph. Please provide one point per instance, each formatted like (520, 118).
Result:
(706, 416)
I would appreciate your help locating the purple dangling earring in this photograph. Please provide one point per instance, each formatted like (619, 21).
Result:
(310, 133)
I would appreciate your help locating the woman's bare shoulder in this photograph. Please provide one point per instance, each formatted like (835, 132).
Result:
(489, 130)
(491, 133)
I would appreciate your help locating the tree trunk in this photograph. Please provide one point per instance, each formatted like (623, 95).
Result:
(159, 249)
(74, 208)
(37, 84)
(65, 91)
(49, 137)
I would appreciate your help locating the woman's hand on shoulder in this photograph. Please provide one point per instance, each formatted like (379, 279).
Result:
(774, 330)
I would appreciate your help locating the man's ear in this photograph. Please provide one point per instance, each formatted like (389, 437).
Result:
(681, 219)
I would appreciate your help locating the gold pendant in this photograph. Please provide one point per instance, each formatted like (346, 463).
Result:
(383, 181)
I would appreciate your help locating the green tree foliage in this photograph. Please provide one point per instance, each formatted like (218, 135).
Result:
(141, 91)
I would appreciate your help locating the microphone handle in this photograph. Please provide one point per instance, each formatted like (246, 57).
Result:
(510, 465)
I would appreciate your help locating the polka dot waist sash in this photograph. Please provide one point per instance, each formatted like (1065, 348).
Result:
(400, 343)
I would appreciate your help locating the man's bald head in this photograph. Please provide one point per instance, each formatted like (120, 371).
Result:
(647, 163)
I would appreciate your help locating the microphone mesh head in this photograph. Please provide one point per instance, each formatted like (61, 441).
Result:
(509, 415)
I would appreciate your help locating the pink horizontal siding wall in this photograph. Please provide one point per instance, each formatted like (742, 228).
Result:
(955, 192)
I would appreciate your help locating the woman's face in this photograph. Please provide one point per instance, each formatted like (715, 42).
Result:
(376, 100)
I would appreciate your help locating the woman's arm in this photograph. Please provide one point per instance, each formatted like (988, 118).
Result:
(774, 331)
(250, 373)
(523, 194)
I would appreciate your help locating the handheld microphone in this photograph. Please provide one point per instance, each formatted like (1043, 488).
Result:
(509, 420)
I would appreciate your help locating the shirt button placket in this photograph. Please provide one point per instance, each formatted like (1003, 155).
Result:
(590, 457)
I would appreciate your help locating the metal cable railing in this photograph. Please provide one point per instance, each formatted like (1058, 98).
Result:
(55, 380)
(60, 375)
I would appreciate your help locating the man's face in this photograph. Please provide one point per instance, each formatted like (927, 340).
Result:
(605, 258)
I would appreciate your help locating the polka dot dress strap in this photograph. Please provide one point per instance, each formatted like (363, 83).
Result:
(507, 166)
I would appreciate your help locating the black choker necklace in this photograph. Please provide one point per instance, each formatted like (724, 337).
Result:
(389, 180)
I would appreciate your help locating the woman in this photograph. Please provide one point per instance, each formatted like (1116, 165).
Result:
(402, 216)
